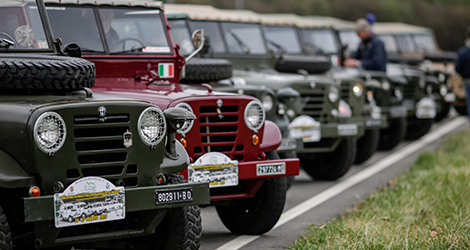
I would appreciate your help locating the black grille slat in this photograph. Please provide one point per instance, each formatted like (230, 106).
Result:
(222, 149)
(120, 118)
(217, 129)
(409, 90)
(99, 145)
(102, 171)
(214, 139)
(314, 102)
(102, 158)
(98, 132)
(213, 109)
(216, 119)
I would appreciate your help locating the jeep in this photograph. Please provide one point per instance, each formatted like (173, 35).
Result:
(64, 149)
(135, 57)
(307, 108)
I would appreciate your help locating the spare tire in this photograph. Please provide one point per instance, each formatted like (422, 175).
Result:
(444, 56)
(312, 64)
(200, 70)
(397, 58)
(41, 73)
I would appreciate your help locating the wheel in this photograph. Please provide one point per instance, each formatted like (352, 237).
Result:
(200, 70)
(333, 165)
(417, 128)
(312, 64)
(367, 145)
(70, 219)
(393, 135)
(462, 110)
(40, 73)
(6, 242)
(258, 215)
(444, 111)
(288, 155)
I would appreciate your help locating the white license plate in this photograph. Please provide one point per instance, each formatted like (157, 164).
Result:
(270, 169)
(216, 168)
(373, 123)
(288, 143)
(424, 113)
(347, 129)
(170, 196)
(449, 97)
(307, 134)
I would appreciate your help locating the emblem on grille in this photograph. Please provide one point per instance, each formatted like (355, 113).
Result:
(127, 137)
(220, 103)
(102, 111)
(313, 84)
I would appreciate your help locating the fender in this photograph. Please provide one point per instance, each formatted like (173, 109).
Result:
(271, 137)
(170, 166)
(12, 175)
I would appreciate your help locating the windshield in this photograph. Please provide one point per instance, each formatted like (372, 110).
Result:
(181, 34)
(212, 32)
(349, 38)
(322, 41)
(405, 43)
(127, 30)
(425, 42)
(390, 43)
(21, 25)
(283, 38)
(244, 38)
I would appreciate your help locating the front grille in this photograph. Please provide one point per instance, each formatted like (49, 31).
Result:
(409, 90)
(314, 102)
(345, 91)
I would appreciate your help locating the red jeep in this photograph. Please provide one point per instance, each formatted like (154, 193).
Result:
(230, 143)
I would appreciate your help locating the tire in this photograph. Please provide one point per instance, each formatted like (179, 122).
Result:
(6, 241)
(258, 215)
(333, 165)
(312, 64)
(288, 155)
(443, 113)
(417, 128)
(41, 73)
(200, 70)
(367, 145)
(462, 110)
(398, 58)
(70, 219)
(393, 135)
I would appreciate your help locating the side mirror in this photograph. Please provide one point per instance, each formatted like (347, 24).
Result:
(198, 41)
(73, 50)
(175, 118)
(287, 93)
(207, 46)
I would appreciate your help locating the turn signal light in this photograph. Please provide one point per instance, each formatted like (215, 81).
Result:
(34, 191)
(255, 140)
(184, 143)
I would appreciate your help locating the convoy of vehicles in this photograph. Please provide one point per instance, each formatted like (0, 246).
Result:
(109, 136)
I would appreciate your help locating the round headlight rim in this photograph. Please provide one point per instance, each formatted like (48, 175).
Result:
(64, 134)
(330, 93)
(386, 84)
(361, 89)
(443, 88)
(191, 123)
(245, 113)
(142, 137)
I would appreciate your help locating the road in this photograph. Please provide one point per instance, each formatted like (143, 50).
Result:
(320, 201)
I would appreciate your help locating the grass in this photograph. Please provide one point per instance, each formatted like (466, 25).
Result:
(427, 207)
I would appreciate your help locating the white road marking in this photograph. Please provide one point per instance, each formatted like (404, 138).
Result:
(318, 199)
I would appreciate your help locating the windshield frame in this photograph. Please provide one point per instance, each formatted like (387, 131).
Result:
(188, 27)
(99, 25)
(263, 38)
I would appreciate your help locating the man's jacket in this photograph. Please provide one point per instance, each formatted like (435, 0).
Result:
(462, 64)
(371, 53)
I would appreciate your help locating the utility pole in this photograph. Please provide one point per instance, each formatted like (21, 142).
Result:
(239, 4)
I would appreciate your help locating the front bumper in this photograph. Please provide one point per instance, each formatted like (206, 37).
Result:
(137, 199)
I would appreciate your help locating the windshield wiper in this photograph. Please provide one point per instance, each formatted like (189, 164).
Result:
(279, 47)
(245, 48)
(313, 48)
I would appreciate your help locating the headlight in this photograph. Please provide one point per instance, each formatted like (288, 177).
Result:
(386, 85)
(443, 90)
(344, 109)
(441, 77)
(187, 124)
(268, 102)
(238, 81)
(254, 115)
(358, 89)
(333, 95)
(429, 89)
(151, 126)
(49, 132)
(421, 83)
(398, 94)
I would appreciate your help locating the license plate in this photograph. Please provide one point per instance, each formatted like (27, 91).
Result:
(287, 143)
(170, 196)
(270, 169)
(424, 113)
(398, 111)
(216, 168)
(449, 97)
(373, 123)
(347, 129)
(307, 134)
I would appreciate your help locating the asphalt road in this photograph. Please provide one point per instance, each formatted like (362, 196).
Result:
(331, 198)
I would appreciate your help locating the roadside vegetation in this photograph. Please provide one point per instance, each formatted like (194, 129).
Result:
(427, 207)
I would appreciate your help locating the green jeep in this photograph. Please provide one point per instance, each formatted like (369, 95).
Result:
(84, 169)
(307, 108)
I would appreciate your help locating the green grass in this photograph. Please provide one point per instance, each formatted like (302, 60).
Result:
(427, 207)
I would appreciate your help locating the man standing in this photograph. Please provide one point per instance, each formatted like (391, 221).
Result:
(371, 53)
(462, 66)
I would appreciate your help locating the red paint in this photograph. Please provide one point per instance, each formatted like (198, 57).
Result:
(271, 137)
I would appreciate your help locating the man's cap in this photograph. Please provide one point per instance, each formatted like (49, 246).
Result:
(362, 25)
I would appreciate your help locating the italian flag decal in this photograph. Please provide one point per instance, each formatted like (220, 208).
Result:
(166, 70)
